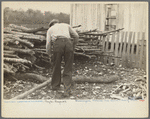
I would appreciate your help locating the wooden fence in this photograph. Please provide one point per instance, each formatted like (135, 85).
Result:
(125, 48)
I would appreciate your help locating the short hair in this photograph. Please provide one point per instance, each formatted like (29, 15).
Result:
(52, 22)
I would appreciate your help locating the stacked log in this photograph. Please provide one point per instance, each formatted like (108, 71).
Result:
(19, 54)
(24, 48)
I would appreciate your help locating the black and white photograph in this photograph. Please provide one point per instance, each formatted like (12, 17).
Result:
(82, 54)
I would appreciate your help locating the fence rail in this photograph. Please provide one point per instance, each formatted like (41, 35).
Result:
(128, 49)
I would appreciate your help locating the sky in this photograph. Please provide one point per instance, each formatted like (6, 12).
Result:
(55, 7)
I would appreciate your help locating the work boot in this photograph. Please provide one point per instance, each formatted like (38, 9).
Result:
(57, 88)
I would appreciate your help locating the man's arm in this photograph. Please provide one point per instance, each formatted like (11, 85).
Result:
(48, 43)
(74, 35)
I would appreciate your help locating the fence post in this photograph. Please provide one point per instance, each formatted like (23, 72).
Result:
(128, 50)
(116, 49)
(106, 49)
(141, 51)
(132, 51)
(112, 46)
(137, 50)
(121, 46)
(124, 50)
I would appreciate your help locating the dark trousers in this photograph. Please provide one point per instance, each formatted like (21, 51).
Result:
(62, 47)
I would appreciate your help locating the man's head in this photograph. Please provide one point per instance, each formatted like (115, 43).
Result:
(54, 21)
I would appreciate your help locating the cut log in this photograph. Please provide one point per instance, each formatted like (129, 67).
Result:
(8, 71)
(77, 79)
(10, 55)
(81, 54)
(42, 68)
(105, 33)
(26, 35)
(27, 43)
(18, 27)
(87, 31)
(82, 44)
(23, 51)
(16, 60)
(76, 26)
(32, 90)
(8, 52)
(34, 30)
(32, 77)
(40, 33)
(100, 79)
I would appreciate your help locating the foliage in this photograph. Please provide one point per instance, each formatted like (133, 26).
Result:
(32, 16)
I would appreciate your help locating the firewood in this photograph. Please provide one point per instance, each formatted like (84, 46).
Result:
(26, 35)
(18, 27)
(81, 54)
(87, 31)
(8, 71)
(76, 26)
(38, 67)
(27, 43)
(10, 55)
(16, 60)
(24, 51)
(8, 52)
(100, 79)
(33, 30)
(105, 33)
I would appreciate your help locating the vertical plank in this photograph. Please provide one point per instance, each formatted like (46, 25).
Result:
(124, 50)
(112, 46)
(104, 42)
(132, 51)
(121, 45)
(128, 49)
(116, 49)
(137, 51)
(107, 43)
(144, 59)
(103, 45)
(141, 50)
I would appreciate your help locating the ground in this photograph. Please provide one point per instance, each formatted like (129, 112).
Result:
(125, 88)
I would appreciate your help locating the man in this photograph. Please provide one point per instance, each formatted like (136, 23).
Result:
(59, 37)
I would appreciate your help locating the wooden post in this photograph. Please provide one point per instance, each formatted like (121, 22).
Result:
(124, 50)
(132, 51)
(121, 45)
(137, 50)
(103, 49)
(116, 49)
(128, 49)
(112, 46)
(141, 49)
(107, 43)
(145, 53)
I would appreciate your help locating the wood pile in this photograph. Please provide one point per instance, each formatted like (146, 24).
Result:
(25, 48)
(22, 49)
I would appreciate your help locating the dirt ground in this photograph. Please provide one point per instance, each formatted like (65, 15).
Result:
(125, 88)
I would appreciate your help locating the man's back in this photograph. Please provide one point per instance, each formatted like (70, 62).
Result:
(59, 29)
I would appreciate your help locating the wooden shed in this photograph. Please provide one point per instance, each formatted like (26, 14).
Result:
(132, 16)
(131, 43)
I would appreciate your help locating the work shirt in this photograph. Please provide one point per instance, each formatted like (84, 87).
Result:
(60, 30)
